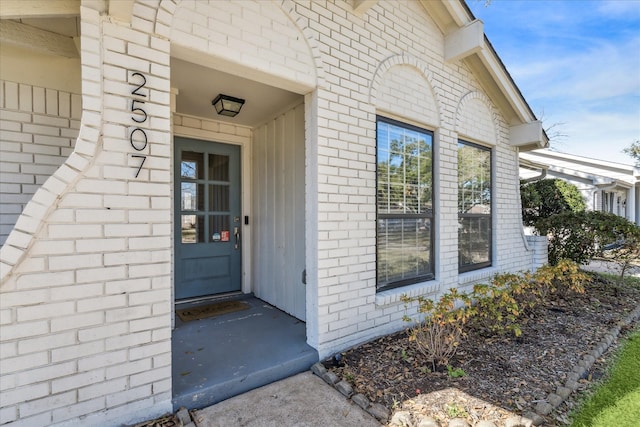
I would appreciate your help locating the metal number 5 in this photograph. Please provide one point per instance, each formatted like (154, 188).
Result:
(138, 110)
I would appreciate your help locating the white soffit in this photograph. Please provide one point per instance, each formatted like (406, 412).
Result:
(527, 136)
(452, 17)
(464, 42)
(15, 9)
(32, 38)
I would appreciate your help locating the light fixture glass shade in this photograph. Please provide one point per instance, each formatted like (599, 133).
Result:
(226, 105)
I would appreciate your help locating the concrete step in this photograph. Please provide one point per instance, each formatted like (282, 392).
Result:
(223, 356)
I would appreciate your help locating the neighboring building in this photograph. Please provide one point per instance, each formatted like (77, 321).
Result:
(376, 155)
(606, 186)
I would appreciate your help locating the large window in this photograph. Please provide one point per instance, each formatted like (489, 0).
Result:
(474, 206)
(405, 204)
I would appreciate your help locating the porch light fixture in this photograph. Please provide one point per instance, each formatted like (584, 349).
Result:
(227, 105)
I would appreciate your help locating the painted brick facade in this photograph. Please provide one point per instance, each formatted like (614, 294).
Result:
(39, 130)
(86, 279)
(97, 330)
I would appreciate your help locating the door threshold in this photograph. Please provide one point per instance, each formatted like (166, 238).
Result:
(217, 297)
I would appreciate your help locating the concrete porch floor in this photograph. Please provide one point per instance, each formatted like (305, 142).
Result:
(223, 356)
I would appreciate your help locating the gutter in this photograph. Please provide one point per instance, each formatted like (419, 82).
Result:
(528, 164)
(612, 185)
(543, 175)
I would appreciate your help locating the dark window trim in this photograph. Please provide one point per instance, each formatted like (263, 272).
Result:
(431, 215)
(480, 265)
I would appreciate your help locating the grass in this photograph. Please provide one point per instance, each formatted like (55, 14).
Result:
(616, 402)
(631, 281)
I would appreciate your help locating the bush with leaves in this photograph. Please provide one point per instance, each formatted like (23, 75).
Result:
(563, 278)
(546, 197)
(498, 307)
(439, 329)
(491, 309)
(495, 308)
(581, 236)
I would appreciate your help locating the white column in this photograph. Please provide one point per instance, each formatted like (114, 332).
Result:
(630, 211)
(636, 205)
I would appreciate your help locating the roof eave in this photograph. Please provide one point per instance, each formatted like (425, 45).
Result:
(455, 19)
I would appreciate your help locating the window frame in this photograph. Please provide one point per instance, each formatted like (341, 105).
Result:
(464, 268)
(428, 215)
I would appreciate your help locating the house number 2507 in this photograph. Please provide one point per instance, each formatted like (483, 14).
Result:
(138, 137)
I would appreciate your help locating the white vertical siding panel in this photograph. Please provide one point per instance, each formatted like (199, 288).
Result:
(288, 164)
(278, 190)
(280, 227)
(299, 207)
(257, 206)
(270, 232)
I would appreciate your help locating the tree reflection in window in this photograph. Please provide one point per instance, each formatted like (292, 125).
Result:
(405, 204)
(192, 197)
(474, 206)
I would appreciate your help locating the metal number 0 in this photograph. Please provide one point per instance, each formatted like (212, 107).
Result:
(133, 143)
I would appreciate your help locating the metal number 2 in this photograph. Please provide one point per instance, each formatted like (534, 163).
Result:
(144, 82)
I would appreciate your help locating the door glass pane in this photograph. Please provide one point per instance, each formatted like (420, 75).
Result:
(219, 198)
(218, 167)
(219, 228)
(192, 228)
(192, 165)
(192, 196)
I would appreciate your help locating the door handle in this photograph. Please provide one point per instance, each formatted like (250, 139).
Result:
(236, 233)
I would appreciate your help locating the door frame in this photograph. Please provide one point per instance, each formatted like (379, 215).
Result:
(242, 137)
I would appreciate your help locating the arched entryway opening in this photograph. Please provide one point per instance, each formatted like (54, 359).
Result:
(239, 209)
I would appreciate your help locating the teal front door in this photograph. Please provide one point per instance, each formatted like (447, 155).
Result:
(207, 218)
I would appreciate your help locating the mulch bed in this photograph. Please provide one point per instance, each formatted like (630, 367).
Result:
(504, 375)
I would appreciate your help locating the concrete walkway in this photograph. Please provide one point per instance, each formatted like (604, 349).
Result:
(303, 400)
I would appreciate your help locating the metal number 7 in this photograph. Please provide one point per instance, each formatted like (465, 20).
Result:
(141, 163)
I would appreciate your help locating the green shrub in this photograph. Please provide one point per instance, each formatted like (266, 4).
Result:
(547, 197)
(455, 372)
(580, 236)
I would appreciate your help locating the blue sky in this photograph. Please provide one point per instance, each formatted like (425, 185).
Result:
(577, 63)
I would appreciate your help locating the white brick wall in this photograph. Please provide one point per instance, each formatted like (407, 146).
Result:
(406, 91)
(540, 249)
(86, 315)
(38, 128)
(475, 120)
(395, 57)
(85, 274)
(387, 61)
(261, 37)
